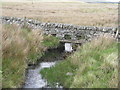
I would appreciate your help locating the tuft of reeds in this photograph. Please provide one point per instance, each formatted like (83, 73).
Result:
(93, 65)
(19, 47)
(97, 64)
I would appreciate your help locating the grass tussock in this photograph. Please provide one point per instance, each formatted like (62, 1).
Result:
(20, 46)
(93, 65)
(97, 62)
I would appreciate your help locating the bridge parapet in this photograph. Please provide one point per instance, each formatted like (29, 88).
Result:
(60, 30)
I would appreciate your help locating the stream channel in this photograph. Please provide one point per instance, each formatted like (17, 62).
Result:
(33, 77)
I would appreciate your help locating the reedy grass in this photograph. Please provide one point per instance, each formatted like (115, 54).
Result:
(83, 14)
(98, 64)
(20, 46)
(94, 65)
(17, 47)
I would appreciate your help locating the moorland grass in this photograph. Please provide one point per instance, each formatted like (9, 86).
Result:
(93, 65)
(83, 14)
(20, 46)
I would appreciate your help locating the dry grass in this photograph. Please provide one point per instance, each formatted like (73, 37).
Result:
(0, 58)
(103, 42)
(42, 1)
(93, 65)
(98, 64)
(15, 38)
(19, 46)
(67, 12)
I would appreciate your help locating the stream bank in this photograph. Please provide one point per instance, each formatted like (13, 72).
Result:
(50, 58)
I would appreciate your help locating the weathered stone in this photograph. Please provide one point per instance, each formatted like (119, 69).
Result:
(59, 29)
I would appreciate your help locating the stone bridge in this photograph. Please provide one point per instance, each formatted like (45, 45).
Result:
(66, 32)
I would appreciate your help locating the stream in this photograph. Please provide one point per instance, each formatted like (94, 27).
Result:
(34, 78)
(50, 58)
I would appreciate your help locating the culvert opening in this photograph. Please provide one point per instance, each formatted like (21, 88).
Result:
(50, 55)
(54, 35)
(80, 37)
(68, 37)
(54, 54)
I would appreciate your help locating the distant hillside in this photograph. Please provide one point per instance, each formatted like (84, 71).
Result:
(109, 1)
(42, 1)
(98, 1)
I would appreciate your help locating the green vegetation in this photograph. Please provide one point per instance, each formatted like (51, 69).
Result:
(50, 41)
(93, 65)
(58, 73)
(20, 47)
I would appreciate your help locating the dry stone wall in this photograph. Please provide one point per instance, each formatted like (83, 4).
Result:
(63, 31)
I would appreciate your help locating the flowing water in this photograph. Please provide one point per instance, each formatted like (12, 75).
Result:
(34, 78)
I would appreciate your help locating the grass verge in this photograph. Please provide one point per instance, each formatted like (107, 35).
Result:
(20, 46)
(93, 65)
